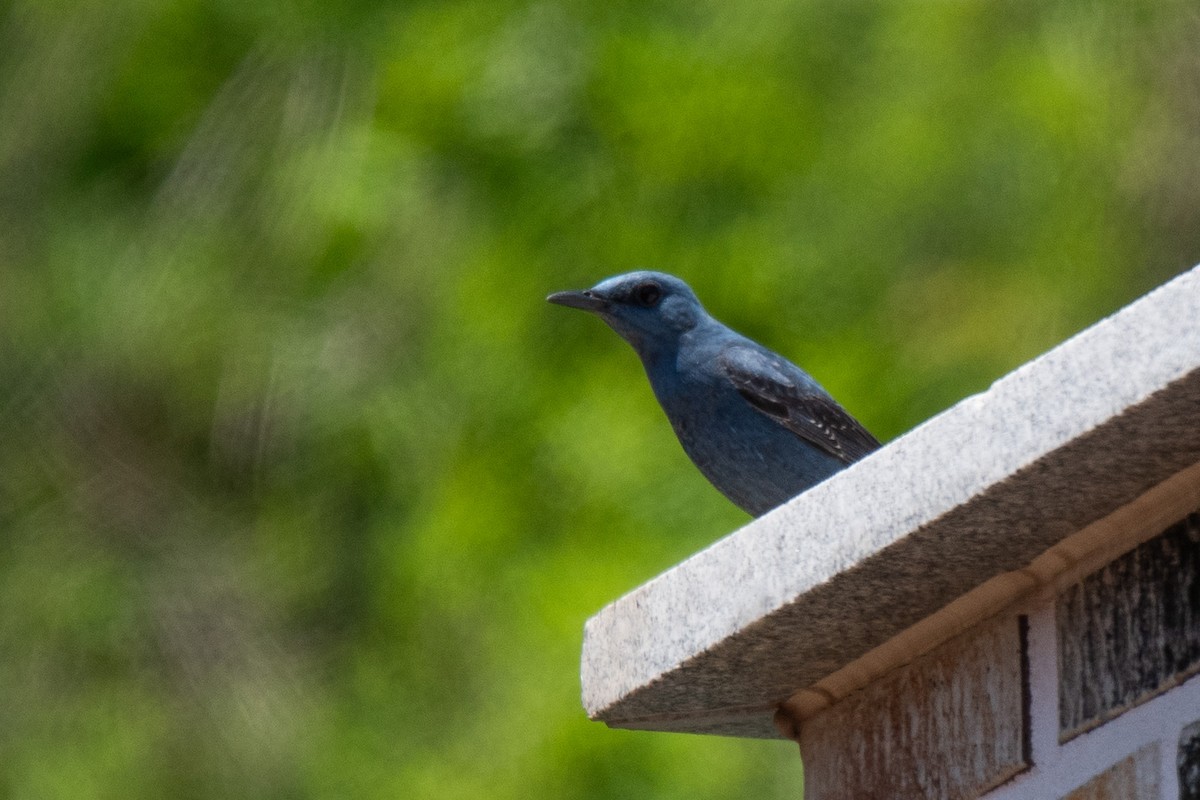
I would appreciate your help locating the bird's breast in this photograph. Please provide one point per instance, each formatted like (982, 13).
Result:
(750, 458)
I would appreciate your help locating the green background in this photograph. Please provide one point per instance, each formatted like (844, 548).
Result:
(304, 490)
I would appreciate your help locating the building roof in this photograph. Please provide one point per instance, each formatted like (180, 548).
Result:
(968, 500)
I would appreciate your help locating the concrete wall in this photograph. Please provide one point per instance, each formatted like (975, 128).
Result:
(1087, 694)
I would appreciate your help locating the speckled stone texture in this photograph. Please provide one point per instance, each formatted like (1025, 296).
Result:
(714, 644)
(949, 725)
(1130, 630)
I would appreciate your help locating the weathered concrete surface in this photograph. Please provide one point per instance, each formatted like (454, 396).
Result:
(980, 490)
(949, 725)
(1130, 630)
(1134, 778)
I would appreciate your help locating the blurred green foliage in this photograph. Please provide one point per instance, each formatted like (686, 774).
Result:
(305, 492)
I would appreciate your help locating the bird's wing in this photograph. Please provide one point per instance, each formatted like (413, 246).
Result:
(768, 384)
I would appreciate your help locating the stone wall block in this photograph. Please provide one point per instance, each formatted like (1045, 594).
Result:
(1134, 778)
(1130, 630)
(949, 725)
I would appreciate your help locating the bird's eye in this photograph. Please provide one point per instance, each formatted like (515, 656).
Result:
(647, 294)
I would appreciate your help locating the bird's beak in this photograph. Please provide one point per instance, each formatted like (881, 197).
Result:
(588, 300)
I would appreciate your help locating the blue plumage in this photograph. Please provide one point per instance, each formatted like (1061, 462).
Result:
(757, 426)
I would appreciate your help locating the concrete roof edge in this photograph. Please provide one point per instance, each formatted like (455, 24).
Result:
(665, 627)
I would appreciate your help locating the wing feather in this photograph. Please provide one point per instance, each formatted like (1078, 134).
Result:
(767, 384)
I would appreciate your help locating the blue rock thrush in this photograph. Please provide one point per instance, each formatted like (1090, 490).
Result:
(758, 427)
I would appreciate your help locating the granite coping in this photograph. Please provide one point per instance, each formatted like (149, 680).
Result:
(716, 643)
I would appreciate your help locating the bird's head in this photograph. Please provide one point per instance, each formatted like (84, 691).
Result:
(650, 310)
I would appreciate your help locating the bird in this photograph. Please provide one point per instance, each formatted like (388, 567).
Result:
(758, 427)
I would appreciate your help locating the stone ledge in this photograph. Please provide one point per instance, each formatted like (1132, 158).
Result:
(717, 643)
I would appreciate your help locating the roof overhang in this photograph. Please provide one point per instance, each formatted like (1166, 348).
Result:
(942, 527)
